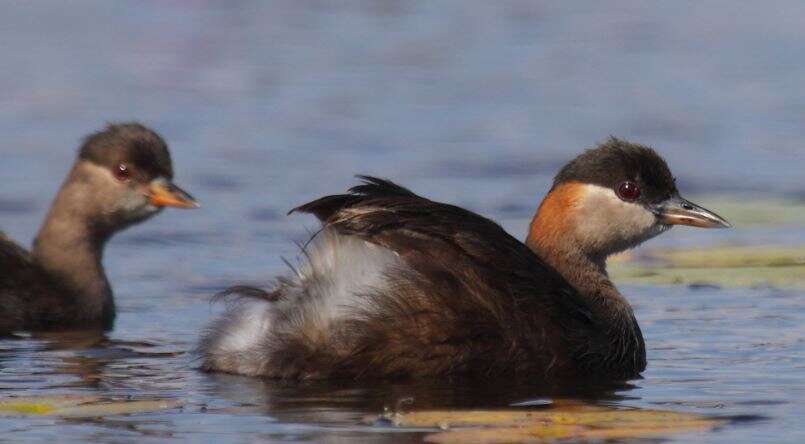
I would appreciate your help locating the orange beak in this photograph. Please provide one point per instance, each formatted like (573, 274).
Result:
(162, 193)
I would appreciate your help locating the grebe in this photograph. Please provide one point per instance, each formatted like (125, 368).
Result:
(122, 176)
(398, 286)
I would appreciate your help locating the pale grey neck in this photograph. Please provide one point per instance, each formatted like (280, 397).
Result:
(71, 249)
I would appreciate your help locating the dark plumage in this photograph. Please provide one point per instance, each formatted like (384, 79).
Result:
(130, 143)
(399, 286)
(442, 319)
(121, 177)
(616, 161)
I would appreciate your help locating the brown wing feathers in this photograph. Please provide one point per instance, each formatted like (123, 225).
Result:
(326, 207)
(471, 285)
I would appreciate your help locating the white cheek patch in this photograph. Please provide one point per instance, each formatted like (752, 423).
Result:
(608, 224)
(136, 204)
(128, 201)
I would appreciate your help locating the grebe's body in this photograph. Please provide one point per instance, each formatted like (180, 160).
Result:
(122, 177)
(398, 286)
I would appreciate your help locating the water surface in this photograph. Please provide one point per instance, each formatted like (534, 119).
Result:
(269, 104)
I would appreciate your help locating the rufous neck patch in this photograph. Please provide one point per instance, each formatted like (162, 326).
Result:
(550, 225)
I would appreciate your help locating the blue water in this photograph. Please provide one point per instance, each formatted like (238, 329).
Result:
(269, 104)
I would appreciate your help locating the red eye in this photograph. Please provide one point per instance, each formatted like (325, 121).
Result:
(122, 172)
(628, 191)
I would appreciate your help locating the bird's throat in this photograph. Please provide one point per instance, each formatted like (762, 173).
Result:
(553, 237)
(68, 249)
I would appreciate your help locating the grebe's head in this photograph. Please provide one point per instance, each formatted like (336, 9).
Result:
(612, 198)
(124, 175)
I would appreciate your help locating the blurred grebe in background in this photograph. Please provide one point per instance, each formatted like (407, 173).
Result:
(398, 286)
(123, 176)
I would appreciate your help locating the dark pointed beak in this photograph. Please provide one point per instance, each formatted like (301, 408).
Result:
(679, 211)
(162, 193)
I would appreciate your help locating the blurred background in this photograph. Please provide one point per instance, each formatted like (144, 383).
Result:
(268, 104)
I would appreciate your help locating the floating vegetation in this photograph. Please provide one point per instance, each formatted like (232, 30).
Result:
(756, 266)
(758, 212)
(563, 422)
(80, 406)
(736, 266)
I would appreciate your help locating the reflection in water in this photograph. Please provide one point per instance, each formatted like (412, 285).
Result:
(94, 358)
(82, 359)
(385, 412)
(340, 403)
